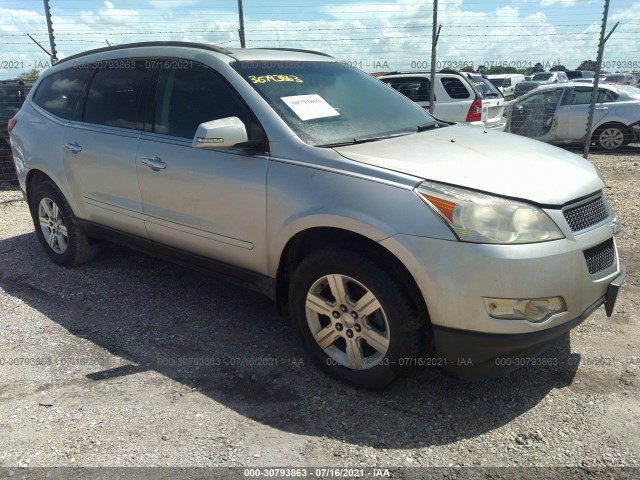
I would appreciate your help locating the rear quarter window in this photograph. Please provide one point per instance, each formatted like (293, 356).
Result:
(455, 88)
(59, 93)
(414, 88)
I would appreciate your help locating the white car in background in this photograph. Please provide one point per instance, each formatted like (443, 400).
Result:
(559, 114)
(506, 82)
(549, 77)
(620, 79)
(457, 99)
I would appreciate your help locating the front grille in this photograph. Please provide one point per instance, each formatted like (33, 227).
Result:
(600, 257)
(587, 215)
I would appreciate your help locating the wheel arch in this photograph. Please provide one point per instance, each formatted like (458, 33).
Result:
(312, 239)
(35, 176)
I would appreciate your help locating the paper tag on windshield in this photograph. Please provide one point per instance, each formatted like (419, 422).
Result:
(308, 107)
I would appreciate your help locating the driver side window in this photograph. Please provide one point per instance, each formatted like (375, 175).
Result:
(187, 97)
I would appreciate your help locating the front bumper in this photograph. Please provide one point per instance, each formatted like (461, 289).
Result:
(474, 355)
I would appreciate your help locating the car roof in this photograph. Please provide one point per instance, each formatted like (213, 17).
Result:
(551, 86)
(504, 75)
(421, 74)
(241, 54)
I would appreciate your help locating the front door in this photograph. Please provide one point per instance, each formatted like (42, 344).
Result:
(211, 202)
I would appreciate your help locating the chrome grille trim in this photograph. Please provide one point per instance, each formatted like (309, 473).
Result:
(587, 214)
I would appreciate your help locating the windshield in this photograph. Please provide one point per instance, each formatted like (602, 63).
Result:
(614, 78)
(497, 81)
(487, 88)
(326, 103)
(541, 77)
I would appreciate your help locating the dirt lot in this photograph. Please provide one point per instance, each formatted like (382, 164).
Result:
(132, 361)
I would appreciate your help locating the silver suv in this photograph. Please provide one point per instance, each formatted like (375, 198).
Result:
(392, 240)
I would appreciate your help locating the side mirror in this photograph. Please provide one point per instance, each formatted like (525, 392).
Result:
(223, 133)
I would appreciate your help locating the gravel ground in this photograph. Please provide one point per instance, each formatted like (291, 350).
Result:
(132, 361)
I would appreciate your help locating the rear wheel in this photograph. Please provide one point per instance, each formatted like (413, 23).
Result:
(355, 319)
(612, 136)
(57, 227)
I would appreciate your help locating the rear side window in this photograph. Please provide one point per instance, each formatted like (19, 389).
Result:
(414, 88)
(582, 96)
(114, 95)
(455, 88)
(59, 93)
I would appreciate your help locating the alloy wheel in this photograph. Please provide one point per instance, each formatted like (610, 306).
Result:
(347, 321)
(53, 226)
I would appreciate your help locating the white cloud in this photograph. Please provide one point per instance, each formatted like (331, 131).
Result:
(394, 35)
(565, 3)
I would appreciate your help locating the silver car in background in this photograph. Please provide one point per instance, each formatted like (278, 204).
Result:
(392, 240)
(559, 114)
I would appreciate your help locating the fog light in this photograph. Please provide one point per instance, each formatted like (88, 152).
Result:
(532, 309)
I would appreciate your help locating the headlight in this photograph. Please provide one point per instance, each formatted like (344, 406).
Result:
(476, 217)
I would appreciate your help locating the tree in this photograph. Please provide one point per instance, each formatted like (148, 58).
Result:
(30, 76)
(558, 68)
(587, 65)
(538, 67)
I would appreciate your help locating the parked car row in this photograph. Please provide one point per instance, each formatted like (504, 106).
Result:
(556, 113)
(390, 237)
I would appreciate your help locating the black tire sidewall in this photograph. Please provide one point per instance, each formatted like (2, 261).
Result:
(405, 328)
(75, 235)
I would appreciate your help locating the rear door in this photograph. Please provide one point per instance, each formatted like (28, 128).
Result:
(100, 148)
(573, 113)
(210, 202)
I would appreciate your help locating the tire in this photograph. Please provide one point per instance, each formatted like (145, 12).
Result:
(612, 136)
(366, 345)
(57, 227)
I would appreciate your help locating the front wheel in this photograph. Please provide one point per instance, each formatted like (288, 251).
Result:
(355, 319)
(57, 227)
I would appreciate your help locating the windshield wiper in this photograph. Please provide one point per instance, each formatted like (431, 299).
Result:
(430, 126)
(357, 141)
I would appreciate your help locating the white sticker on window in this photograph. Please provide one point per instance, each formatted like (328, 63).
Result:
(308, 107)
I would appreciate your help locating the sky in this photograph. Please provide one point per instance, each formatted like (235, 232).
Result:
(372, 35)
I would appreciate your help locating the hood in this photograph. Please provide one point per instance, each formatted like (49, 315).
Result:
(493, 162)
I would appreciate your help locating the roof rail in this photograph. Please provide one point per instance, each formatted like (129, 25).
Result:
(296, 50)
(202, 46)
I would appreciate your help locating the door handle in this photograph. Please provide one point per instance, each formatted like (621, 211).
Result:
(154, 163)
(602, 108)
(74, 147)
